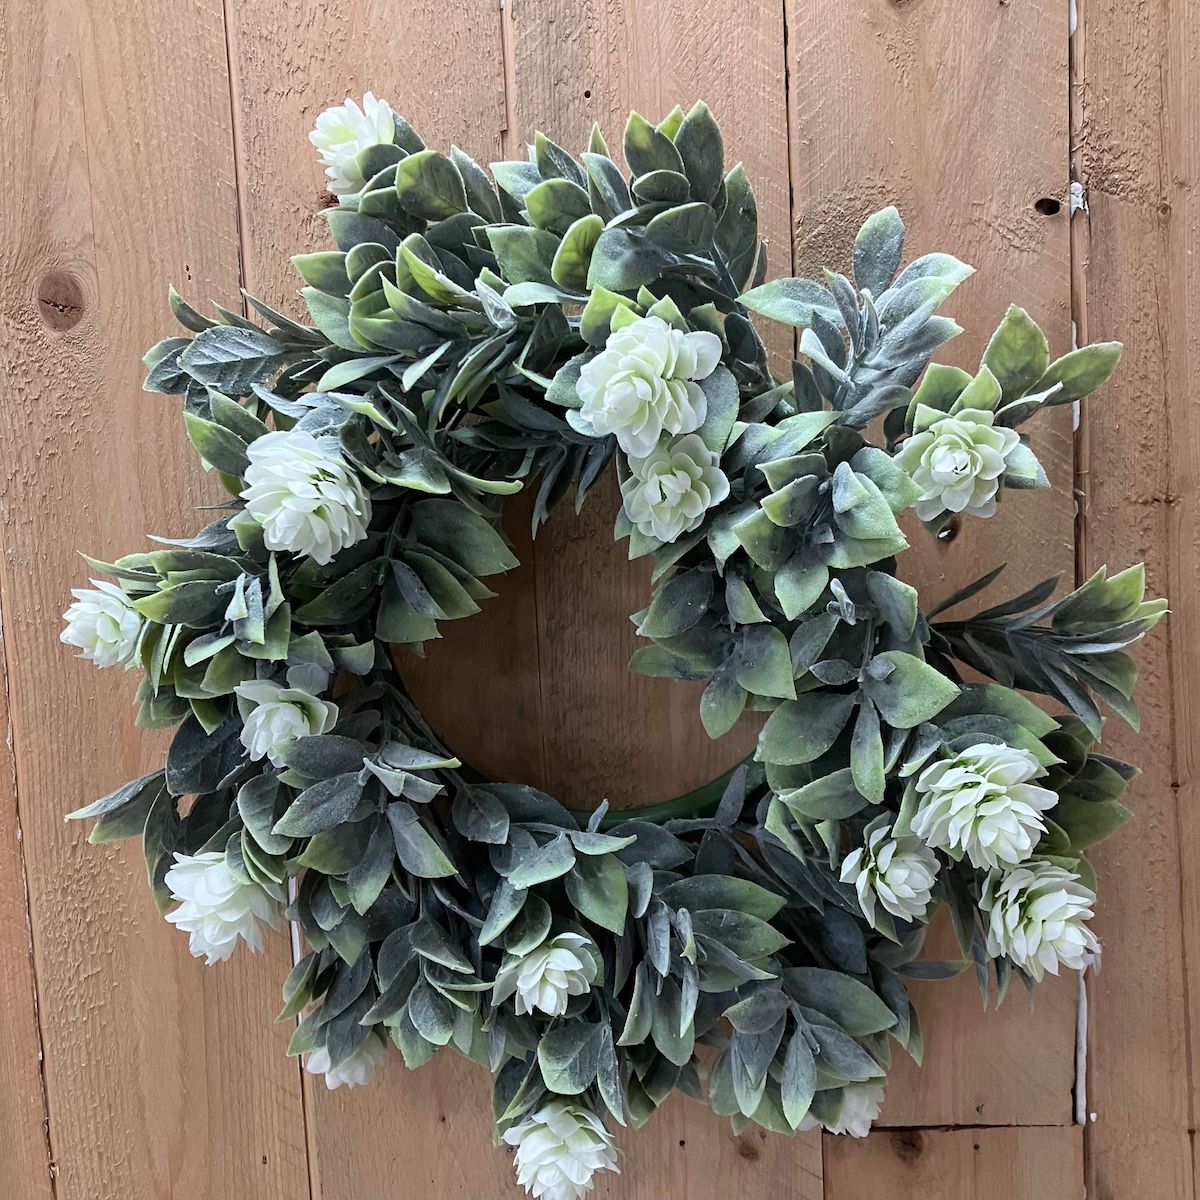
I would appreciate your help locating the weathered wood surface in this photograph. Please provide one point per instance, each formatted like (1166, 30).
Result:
(965, 133)
(163, 1080)
(1034, 1163)
(1138, 142)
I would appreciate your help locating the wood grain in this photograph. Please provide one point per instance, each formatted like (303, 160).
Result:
(1139, 141)
(964, 132)
(162, 1079)
(22, 1092)
(958, 1164)
(440, 64)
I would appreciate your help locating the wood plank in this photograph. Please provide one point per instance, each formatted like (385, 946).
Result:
(440, 65)
(978, 1069)
(964, 1164)
(608, 733)
(892, 103)
(116, 185)
(1139, 147)
(22, 1093)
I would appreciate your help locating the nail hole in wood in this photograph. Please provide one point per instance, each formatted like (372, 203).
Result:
(60, 301)
(1048, 206)
(587, 95)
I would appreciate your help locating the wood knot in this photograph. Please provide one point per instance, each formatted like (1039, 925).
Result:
(908, 1145)
(747, 1148)
(60, 300)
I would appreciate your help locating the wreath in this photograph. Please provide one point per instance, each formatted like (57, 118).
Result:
(748, 944)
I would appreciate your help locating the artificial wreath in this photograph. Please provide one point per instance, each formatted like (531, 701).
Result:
(749, 945)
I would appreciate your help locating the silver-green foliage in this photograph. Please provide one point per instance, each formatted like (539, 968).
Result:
(447, 332)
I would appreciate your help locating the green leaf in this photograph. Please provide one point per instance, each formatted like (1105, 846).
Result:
(799, 731)
(353, 369)
(700, 147)
(765, 663)
(799, 585)
(429, 186)
(1081, 372)
(525, 255)
(647, 149)
(555, 204)
(721, 393)
(749, 937)
(597, 887)
(798, 1081)
(461, 535)
(256, 806)
(217, 445)
(1018, 353)
(912, 690)
(684, 229)
(548, 862)
(866, 754)
(596, 323)
(574, 255)
(830, 798)
(700, 892)
(853, 1005)
(415, 846)
(321, 806)
(1087, 822)
(877, 250)
(722, 703)
(569, 1057)
(792, 301)
(679, 604)
(231, 359)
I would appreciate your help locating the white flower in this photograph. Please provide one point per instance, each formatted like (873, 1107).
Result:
(304, 495)
(957, 463)
(103, 624)
(343, 132)
(559, 1148)
(643, 383)
(896, 872)
(217, 909)
(273, 717)
(1037, 918)
(548, 976)
(860, 1107)
(353, 1071)
(980, 803)
(671, 489)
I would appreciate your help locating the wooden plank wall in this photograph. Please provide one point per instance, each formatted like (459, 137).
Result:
(157, 143)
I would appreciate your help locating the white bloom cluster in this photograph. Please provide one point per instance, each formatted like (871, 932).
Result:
(548, 976)
(274, 716)
(305, 495)
(103, 623)
(1037, 916)
(669, 491)
(860, 1107)
(896, 872)
(981, 804)
(354, 1071)
(644, 384)
(559, 1149)
(644, 389)
(957, 463)
(216, 909)
(343, 132)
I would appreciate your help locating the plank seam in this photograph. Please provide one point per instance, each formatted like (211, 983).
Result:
(242, 224)
(235, 140)
(24, 881)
